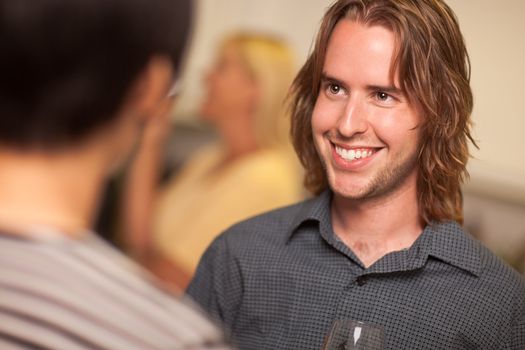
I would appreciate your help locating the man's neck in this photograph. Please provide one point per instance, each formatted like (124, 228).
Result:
(374, 228)
(42, 190)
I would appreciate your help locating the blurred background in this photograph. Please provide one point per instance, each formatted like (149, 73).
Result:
(495, 194)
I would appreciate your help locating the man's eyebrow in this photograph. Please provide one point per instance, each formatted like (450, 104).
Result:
(327, 78)
(389, 89)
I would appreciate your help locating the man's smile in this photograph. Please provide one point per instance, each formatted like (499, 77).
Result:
(354, 153)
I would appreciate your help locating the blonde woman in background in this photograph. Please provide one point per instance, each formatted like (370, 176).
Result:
(251, 168)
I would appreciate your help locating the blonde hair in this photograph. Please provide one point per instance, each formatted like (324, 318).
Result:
(272, 64)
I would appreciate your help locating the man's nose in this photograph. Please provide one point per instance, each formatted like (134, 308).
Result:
(353, 120)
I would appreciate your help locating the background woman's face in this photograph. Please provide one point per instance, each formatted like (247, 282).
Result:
(231, 89)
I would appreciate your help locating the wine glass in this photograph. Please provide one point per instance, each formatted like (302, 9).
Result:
(353, 334)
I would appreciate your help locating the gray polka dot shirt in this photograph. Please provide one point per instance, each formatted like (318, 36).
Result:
(279, 281)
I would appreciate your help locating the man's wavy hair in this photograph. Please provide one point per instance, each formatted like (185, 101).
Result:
(433, 66)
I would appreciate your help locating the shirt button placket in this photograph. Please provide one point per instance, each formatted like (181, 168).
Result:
(361, 280)
(354, 301)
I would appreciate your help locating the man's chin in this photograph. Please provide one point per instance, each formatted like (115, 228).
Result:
(350, 193)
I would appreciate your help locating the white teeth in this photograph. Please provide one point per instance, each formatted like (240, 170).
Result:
(352, 154)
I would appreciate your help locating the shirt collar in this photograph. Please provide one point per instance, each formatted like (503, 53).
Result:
(454, 246)
(314, 209)
(445, 241)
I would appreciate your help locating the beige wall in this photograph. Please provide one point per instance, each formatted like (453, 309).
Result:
(494, 31)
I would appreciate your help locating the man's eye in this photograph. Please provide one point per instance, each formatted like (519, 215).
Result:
(334, 89)
(383, 96)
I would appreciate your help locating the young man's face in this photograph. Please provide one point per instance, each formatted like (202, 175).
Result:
(365, 130)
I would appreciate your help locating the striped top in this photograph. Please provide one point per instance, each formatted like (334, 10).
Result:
(75, 294)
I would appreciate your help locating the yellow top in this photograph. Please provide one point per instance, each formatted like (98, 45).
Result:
(203, 200)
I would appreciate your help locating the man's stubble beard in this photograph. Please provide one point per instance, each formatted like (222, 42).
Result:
(384, 183)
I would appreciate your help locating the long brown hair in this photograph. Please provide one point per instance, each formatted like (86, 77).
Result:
(434, 72)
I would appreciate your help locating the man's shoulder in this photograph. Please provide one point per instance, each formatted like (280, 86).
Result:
(272, 226)
(498, 273)
(452, 242)
(494, 274)
(484, 270)
(499, 287)
(271, 222)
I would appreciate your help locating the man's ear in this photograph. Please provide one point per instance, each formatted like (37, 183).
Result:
(149, 90)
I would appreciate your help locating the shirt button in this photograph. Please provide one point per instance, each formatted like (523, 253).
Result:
(361, 281)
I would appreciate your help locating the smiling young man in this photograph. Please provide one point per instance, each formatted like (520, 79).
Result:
(381, 123)
(367, 133)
